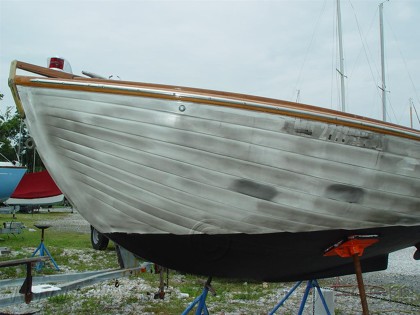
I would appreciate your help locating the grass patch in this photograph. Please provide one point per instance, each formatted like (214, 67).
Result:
(60, 299)
(73, 252)
(70, 249)
(31, 236)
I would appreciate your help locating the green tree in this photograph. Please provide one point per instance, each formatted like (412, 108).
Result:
(13, 134)
(9, 135)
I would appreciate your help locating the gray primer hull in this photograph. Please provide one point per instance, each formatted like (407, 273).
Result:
(150, 166)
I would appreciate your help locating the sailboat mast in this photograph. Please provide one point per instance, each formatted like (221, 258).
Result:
(383, 88)
(340, 45)
(411, 112)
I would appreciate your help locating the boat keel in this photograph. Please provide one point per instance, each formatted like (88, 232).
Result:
(275, 257)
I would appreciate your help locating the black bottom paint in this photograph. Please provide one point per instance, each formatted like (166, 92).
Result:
(265, 257)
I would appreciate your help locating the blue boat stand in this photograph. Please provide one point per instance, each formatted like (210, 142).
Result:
(201, 300)
(311, 284)
(42, 249)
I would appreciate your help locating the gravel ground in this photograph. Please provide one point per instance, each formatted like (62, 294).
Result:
(393, 291)
(74, 222)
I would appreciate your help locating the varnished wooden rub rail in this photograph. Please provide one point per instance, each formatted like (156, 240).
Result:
(67, 81)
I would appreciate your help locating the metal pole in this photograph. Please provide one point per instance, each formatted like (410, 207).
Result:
(273, 311)
(20, 143)
(383, 88)
(411, 113)
(360, 284)
(33, 166)
(340, 46)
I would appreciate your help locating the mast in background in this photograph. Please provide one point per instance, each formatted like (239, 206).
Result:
(383, 88)
(411, 112)
(341, 71)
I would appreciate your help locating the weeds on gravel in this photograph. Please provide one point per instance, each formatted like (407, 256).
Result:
(60, 299)
(72, 252)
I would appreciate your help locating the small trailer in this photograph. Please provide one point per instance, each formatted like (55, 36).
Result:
(98, 240)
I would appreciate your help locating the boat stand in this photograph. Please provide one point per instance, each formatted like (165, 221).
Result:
(200, 301)
(354, 247)
(310, 285)
(42, 249)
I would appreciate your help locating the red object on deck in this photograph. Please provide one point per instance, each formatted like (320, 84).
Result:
(36, 185)
(57, 63)
(354, 245)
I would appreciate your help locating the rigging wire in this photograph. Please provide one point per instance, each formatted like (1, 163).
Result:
(5, 157)
(365, 48)
(392, 109)
(299, 80)
(405, 64)
(415, 110)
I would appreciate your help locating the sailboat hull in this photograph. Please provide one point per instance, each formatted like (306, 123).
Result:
(9, 179)
(172, 173)
(36, 189)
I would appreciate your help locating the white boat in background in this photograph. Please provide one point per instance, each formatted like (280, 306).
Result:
(10, 176)
(223, 184)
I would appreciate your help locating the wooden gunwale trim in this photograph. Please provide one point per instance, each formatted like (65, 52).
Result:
(50, 73)
(216, 98)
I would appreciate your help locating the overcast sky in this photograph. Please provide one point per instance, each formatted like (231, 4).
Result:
(278, 49)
